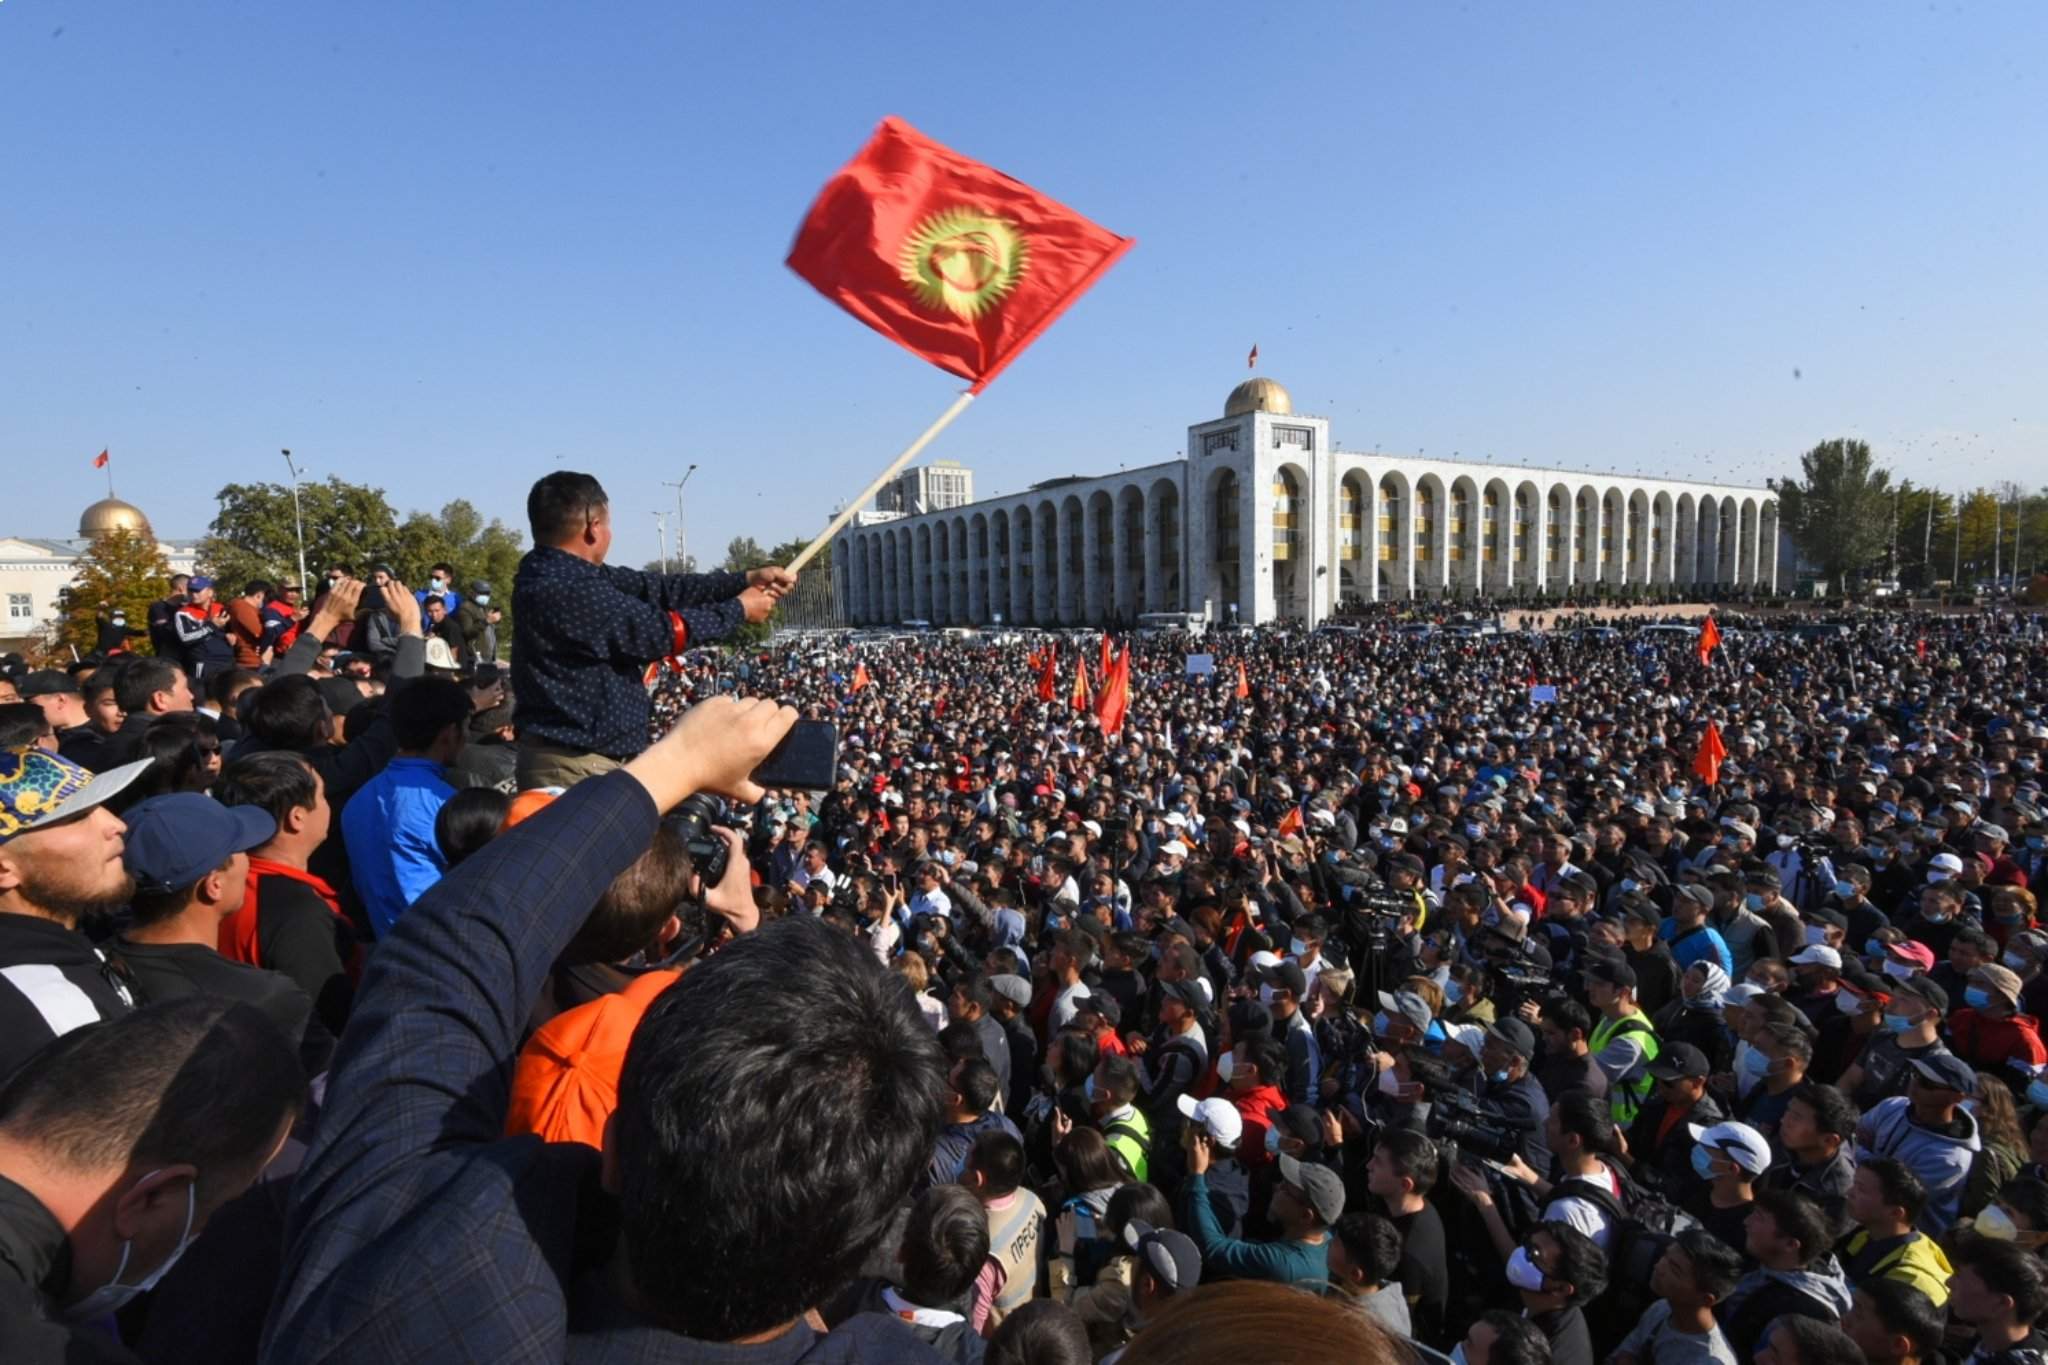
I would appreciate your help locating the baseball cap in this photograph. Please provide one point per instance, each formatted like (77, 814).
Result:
(1012, 988)
(1218, 1117)
(1741, 993)
(1289, 977)
(1679, 1061)
(200, 584)
(1101, 1003)
(1999, 980)
(1611, 971)
(1697, 894)
(46, 682)
(1817, 955)
(1517, 1036)
(1739, 1142)
(1947, 863)
(1318, 1185)
(38, 788)
(1471, 1037)
(1912, 954)
(1188, 992)
(1922, 987)
(1171, 1256)
(176, 839)
(1408, 1005)
(1947, 1071)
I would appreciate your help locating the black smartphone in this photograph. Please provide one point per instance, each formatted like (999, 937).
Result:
(807, 758)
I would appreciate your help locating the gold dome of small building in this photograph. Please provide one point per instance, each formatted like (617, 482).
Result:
(110, 514)
(1258, 395)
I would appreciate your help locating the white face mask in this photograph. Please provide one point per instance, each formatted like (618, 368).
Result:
(1266, 996)
(1224, 1065)
(113, 1295)
(1524, 1273)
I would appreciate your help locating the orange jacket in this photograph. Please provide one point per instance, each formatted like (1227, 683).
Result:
(565, 1084)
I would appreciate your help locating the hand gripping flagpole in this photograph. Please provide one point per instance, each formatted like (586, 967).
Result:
(911, 452)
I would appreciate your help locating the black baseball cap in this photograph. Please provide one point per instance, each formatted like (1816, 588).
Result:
(47, 682)
(1611, 971)
(1679, 1061)
(1287, 976)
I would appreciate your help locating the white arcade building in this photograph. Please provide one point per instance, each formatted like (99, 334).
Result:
(1266, 520)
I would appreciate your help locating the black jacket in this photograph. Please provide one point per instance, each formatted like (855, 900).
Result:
(35, 1262)
(35, 1007)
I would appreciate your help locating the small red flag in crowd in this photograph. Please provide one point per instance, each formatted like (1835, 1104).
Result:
(860, 677)
(1104, 657)
(1710, 638)
(1048, 675)
(1082, 698)
(99, 461)
(1706, 761)
(1920, 648)
(1244, 684)
(1290, 823)
(945, 256)
(1115, 702)
(1251, 362)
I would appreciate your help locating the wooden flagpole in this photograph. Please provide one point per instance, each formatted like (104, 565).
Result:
(910, 453)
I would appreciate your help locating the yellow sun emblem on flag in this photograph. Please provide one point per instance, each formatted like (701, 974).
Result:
(963, 262)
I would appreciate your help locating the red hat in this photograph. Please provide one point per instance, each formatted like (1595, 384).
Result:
(1911, 954)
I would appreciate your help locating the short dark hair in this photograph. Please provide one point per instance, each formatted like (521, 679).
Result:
(1799, 1219)
(220, 686)
(630, 914)
(560, 503)
(1372, 1243)
(1898, 1186)
(288, 713)
(1716, 1266)
(1120, 1074)
(421, 710)
(470, 819)
(194, 1080)
(1833, 1112)
(1581, 1115)
(22, 723)
(2009, 1269)
(1000, 1159)
(1136, 1200)
(1413, 1156)
(1580, 1261)
(1569, 1015)
(255, 585)
(141, 678)
(1791, 1039)
(1517, 1340)
(944, 1245)
(1078, 1051)
(1905, 1311)
(275, 782)
(1819, 1343)
(2028, 1195)
(1042, 1332)
(976, 1082)
(829, 1091)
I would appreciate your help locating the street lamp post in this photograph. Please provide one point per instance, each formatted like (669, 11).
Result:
(661, 535)
(298, 521)
(682, 556)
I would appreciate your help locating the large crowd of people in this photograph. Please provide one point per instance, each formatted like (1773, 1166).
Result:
(1545, 997)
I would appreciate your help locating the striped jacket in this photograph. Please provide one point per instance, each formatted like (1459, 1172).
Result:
(52, 980)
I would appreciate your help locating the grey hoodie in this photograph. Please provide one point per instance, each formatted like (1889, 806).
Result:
(1942, 1162)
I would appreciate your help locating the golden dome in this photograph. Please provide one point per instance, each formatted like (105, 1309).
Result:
(111, 514)
(1258, 395)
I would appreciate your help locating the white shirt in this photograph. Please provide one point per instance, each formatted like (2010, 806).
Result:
(803, 877)
(937, 902)
(1067, 1002)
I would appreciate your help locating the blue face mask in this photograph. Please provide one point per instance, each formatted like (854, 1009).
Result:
(1498, 1077)
(1088, 1087)
(1976, 997)
(1454, 991)
(1846, 890)
(1753, 901)
(2037, 1094)
(1896, 1023)
(1873, 948)
(1703, 1163)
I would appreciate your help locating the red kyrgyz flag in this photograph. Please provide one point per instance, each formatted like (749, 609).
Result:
(1706, 761)
(945, 256)
(1244, 684)
(1290, 823)
(1251, 362)
(1082, 698)
(1115, 702)
(1048, 675)
(99, 461)
(1710, 640)
(860, 677)
(1105, 658)
(1920, 648)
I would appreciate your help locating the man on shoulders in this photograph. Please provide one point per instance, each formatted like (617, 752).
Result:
(584, 632)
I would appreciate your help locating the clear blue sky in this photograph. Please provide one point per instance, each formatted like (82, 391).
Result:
(446, 247)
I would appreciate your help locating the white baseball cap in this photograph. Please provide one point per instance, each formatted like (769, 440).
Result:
(1218, 1116)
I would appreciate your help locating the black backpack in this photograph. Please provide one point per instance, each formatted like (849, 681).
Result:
(1643, 1225)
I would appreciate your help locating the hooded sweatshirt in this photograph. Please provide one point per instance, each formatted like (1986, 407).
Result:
(1940, 1160)
(1989, 1043)
(1763, 1296)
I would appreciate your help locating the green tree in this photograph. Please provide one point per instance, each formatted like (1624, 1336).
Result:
(121, 571)
(253, 534)
(688, 564)
(481, 551)
(1838, 510)
(745, 553)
